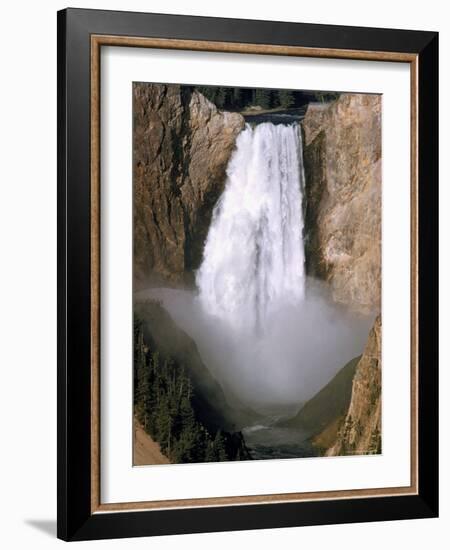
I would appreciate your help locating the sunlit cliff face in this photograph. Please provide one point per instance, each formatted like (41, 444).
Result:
(270, 336)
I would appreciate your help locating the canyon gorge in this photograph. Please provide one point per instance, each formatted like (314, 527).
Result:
(317, 190)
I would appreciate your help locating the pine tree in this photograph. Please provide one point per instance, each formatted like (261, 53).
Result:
(238, 98)
(210, 455)
(141, 389)
(220, 97)
(286, 98)
(262, 98)
(164, 400)
(219, 447)
(163, 423)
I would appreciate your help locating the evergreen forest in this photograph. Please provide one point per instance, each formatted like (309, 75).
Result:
(165, 406)
(240, 99)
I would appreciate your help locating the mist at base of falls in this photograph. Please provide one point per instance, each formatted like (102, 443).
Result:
(270, 336)
(302, 348)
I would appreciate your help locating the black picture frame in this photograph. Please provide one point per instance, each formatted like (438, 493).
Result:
(76, 520)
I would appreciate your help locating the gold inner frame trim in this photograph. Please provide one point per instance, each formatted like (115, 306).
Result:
(262, 49)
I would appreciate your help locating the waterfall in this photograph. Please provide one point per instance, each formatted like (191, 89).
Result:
(253, 262)
(268, 343)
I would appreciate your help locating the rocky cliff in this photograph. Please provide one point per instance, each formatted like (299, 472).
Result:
(342, 158)
(360, 432)
(182, 144)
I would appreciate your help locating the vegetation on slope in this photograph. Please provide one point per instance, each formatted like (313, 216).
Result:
(239, 99)
(171, 409)
(330, 404)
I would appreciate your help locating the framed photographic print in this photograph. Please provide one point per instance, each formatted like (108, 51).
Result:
(247, 253)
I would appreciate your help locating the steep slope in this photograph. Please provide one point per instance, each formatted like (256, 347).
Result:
(145, 450)
(162, 335)
(329, 404)
(176, 401)
(360, 432)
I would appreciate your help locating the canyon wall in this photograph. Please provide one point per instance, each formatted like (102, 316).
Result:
(181, 147)
(182, 144)
(342, 158)
(360, 432)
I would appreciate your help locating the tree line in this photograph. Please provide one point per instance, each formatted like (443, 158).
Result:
(164, 406)
(238, 99)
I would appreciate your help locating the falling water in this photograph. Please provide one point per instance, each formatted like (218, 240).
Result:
(270, 344)
(253, 261)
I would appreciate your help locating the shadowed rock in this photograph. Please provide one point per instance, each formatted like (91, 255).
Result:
(181, 147)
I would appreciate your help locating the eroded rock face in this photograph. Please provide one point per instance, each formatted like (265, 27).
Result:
(342, 157)
(360, 432)
(182, 144)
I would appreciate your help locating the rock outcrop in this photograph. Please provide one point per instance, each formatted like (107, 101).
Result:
(342, 158)
(360, 432)
(182, 144)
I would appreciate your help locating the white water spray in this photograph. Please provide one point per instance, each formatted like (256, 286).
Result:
(265, 339)
(253, 260)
